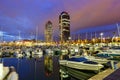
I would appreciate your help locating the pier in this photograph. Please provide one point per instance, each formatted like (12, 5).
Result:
(106, 74)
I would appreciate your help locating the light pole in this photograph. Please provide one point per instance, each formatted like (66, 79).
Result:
(69, 40)
(101, 34)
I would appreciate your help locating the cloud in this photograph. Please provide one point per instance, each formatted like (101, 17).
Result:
(97, 13)
(25, 15)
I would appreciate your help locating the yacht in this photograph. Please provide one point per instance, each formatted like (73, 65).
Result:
(81, 64)
(38, 53)
(17, 54)
(109, 53)
(49, 52)
(97, 59)
(94, 59)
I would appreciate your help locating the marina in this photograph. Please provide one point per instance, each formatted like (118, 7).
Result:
(31, 69)
(59, 39)
(77, 64)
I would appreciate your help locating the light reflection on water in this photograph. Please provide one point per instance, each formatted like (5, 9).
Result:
(31, 69)
(45, 68)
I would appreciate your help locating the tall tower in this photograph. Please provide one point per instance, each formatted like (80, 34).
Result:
(48, 32)
(64, 26)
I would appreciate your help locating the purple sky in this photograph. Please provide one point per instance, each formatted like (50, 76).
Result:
(25, 15)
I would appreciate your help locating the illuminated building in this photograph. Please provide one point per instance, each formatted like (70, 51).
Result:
(48, 32)
(64, 26)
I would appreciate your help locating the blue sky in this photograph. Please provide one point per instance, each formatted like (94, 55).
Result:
(86, 15)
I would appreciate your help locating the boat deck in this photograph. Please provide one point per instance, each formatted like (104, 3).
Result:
(107, 74)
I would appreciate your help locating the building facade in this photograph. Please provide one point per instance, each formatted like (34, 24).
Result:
(64, 26)
(48, 32)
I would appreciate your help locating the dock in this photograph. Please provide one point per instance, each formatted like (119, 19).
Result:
(104, 75)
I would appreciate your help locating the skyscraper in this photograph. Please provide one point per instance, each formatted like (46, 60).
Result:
(64, 26)
(48, 32)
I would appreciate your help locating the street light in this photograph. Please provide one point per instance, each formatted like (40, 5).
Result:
(69, 40)
(101, 34)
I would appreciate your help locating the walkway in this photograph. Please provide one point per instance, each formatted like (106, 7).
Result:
(106, 74)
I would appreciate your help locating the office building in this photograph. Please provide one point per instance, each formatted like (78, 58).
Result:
(48, 32)
(64, 26)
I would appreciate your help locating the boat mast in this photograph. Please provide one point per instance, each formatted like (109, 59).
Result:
(1, 36)
(95, 35)
(36, 33)
(91, 36)
(86, 35)
(118, 28)
(19, 36)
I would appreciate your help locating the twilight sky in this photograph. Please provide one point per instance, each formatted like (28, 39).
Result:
(23, 16)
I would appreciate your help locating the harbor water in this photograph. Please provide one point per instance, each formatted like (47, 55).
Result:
(39, 69)
(33, 69)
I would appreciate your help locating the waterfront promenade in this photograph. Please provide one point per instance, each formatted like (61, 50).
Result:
(102, 75)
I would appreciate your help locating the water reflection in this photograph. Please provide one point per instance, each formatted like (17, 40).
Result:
(48, 64)
(73, 74)
(35, 69)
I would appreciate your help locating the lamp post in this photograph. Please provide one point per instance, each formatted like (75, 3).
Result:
(69, 40)
(101, 34)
